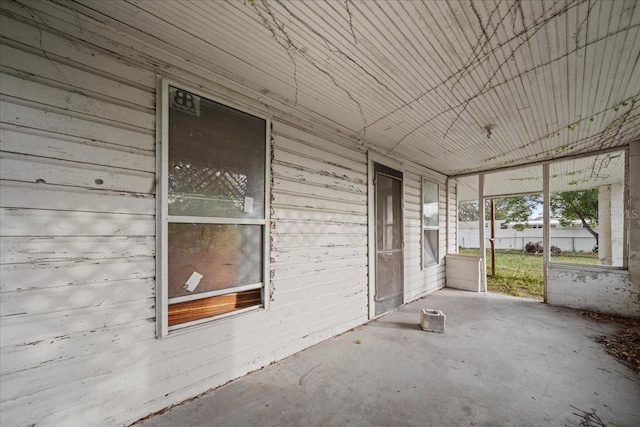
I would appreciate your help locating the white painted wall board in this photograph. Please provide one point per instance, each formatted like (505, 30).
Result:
(605, 291)
(74, 126)
(316, 227)
(330, 205)
(302, 240)
(296, 173)
(45, 196)
(285, 157)
(288, 294)
(72, 272)
(31, 63)
(75, 347)
(309, 151)
(18, 167)
(36, 300)
(290, 214)
(22, 90)
(26, 222)
(23, 329)
(21, 140)
(319, 191)
(79, 55)
(297, 269)
(17, 250)
(464, 272)
(337, 146)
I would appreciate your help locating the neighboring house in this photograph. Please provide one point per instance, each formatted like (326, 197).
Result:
(194, 190)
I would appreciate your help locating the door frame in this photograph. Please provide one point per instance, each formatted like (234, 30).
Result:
(373, 157)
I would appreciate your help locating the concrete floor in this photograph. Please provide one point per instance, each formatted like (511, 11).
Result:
(502, 361)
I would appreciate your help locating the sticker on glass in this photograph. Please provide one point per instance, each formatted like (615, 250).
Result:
(193, 281)
(184, 101)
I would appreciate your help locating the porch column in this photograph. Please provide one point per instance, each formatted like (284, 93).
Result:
(617, 223)
(604, 225)
(633, 216)
(481, 231)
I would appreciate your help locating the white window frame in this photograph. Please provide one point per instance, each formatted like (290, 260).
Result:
(547, 193)
(424, 227)
(163, 218)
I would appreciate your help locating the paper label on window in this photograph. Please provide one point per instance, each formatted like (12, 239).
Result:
(193, 281)
(184, 101)
(248, 204)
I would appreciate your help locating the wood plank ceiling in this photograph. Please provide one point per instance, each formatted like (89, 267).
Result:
(422, 80)
(566, 175)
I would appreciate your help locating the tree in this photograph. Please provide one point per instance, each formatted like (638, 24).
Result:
(468, 211)
(581, 205)
(518, 209)
(515, 209)
(568, 206)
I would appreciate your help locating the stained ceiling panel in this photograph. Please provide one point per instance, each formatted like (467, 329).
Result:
(422, 80)
(566, 175)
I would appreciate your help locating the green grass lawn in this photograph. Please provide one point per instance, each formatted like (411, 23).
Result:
(520, 274)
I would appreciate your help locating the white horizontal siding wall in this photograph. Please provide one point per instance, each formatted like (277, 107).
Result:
(318, 235)
(77, 172)
(77, 298)
(452, 217)
(77, 293)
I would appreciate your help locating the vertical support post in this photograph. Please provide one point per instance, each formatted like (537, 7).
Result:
(617, 216)
(448, 213)
(604, 225)
(546, 215)
(482, 219)
(162, 210)
(493, 237)
(630, 206)
(457, 223)
(371, 233)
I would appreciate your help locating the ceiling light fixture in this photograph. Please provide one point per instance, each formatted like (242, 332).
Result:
(489, 129)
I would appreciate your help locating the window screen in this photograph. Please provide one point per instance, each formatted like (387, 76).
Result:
(214, 163)
(430, 223)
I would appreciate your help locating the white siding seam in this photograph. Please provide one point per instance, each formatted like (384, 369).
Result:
(67, 87)
(354, 157)
(318, 185)
(61, 60)
(19, 129)
(306, 156)
(77, 115)
(345, 178)
(104, 169)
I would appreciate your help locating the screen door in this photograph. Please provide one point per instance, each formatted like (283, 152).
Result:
(389, 257)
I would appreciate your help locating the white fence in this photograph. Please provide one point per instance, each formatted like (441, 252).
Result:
(569, 240)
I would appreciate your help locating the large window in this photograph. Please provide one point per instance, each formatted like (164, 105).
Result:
(213, 212)
(430, 223)
(587, 209)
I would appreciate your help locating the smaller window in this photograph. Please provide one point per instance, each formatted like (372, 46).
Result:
(430, 223)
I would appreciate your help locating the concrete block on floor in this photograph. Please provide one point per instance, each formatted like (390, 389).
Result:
(432, 320)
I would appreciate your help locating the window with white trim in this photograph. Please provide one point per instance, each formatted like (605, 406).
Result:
(213, 210)
(430, 223)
